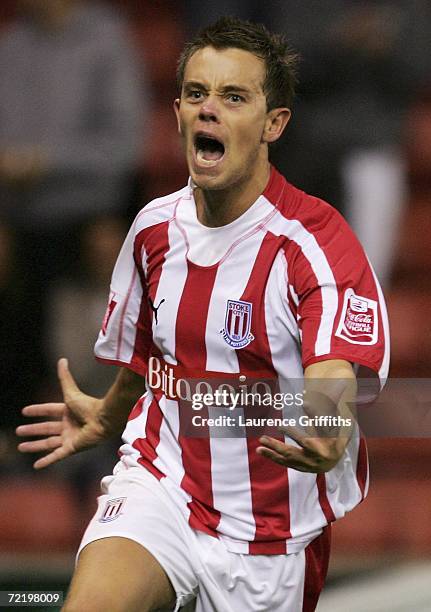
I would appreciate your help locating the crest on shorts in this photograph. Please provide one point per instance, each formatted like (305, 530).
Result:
(359, 319)
(237, 324)
(112, 509)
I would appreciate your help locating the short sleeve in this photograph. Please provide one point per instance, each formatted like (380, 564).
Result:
(340, 305)
(125, 335)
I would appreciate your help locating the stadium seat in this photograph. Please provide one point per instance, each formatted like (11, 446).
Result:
(394, 520)
(409, 309)
(38, 515)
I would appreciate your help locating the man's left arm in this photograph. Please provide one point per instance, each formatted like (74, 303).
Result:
(329, 392)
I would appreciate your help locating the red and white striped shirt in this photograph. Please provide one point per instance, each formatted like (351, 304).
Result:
(283, 286)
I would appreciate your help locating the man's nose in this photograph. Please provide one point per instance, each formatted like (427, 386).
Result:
(209, 110)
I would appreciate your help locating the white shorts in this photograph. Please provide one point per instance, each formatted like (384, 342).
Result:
(135, 505)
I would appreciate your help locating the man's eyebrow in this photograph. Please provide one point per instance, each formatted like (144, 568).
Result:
(233, 87)
(197, 84)
(224, 89)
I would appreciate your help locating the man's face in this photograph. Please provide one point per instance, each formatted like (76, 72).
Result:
(221, 116)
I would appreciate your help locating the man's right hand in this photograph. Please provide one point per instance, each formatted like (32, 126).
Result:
(74, 425)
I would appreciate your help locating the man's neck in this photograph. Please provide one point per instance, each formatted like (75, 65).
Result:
(220, 207)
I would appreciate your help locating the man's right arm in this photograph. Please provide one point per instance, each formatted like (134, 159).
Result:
(80, 421)
(120, 399)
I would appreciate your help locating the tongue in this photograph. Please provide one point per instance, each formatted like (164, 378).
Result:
(211, 155)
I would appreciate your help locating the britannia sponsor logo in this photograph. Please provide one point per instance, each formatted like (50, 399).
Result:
(359, 319)
(237, 324)
(165, 377)
(112, 509)
(221, 390)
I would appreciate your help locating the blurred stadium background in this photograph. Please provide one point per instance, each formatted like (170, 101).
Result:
(360, 138)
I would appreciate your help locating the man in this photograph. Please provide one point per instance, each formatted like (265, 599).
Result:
(237, 278)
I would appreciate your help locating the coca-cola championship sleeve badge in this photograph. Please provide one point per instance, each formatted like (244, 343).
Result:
(359, 319)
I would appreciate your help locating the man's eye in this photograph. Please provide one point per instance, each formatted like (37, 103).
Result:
(195, 94)
(235, 98)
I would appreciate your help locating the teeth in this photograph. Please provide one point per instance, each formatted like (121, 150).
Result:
(206, 162)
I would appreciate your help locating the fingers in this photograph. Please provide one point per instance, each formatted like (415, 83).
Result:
(298, 435)
(67, 382)
(52, 443)
(49, 428)
(54, 410)
(314, 456)
(37, 446)
(59, 454)
(276, 445)
(288, 455)
(279, 451)
(291, 462)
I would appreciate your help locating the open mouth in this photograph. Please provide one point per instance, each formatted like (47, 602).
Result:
(209, 150)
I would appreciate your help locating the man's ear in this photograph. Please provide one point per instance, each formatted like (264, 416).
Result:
(177, 113)
(275, 123)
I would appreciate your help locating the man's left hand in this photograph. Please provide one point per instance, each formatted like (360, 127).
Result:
(313, 454)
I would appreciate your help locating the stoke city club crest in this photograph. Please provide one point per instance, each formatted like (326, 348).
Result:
(237, 324)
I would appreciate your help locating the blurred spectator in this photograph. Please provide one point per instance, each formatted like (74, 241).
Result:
(409, 302)
(77, 306)
(418, 142)
(158, 32)
(75, 314)
(71, 110)
(363, 63)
